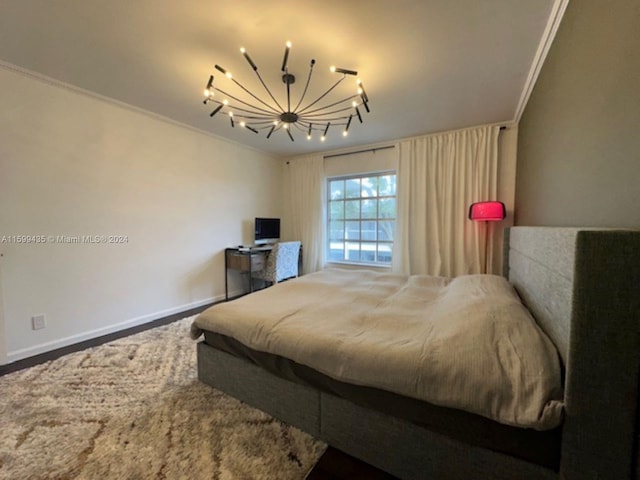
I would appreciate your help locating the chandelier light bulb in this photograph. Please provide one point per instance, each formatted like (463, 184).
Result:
(207, 90)
(332, 69)
(268, 111)
(363, 94)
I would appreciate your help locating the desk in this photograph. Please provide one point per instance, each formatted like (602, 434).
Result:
(247, 261)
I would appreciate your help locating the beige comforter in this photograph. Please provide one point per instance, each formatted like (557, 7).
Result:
(465, 343)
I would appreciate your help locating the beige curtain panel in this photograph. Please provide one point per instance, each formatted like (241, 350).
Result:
(439, 176)
(306, 205)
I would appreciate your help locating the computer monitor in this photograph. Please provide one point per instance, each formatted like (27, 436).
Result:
(267, 230)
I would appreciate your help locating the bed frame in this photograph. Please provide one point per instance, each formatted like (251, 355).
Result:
(583, 287)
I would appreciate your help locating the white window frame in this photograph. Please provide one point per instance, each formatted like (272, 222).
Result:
(373, 245)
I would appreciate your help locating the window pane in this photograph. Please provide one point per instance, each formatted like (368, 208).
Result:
(353, 188)
(387, 208)
(370, 187)
(369, 208)
(352, 209)
(369, 231)
(336, 189)
(368, 252)
(387, 185)
(336, 230)
(336, 210)
(352, 251)
(385, 230)
(384, 252)
(353, 230)
(336, 251)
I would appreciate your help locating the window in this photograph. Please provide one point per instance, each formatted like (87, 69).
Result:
(361, 218)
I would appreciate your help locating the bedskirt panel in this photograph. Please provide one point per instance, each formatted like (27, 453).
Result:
(539, 447)
(394, 445)
(294, 404)
(411, 452)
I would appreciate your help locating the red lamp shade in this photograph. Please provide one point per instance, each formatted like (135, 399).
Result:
(487, 211)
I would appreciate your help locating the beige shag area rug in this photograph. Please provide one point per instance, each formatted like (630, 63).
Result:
(134, 409)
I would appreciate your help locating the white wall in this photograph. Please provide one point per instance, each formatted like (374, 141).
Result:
(73, 165)
(3, 343)
(360, 163)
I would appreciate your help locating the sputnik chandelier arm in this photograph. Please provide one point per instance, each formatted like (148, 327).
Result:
(257, 114)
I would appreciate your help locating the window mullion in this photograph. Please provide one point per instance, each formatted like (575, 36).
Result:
(344, 226)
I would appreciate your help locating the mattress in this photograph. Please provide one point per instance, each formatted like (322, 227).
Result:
(539, 447)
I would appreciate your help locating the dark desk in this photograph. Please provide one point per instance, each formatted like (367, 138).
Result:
(244, 261)
(248, 262)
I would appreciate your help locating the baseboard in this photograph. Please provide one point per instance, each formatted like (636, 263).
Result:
(62, 343)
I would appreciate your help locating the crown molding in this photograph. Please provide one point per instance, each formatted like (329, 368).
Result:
(557, 12)
(117, 103)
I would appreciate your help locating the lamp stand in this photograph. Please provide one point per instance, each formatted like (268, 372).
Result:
(486, 245)
(490, 211)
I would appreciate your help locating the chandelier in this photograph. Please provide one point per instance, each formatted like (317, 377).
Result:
(263, 112)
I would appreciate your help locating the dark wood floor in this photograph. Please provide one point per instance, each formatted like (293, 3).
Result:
(94, 342)
(336, 465)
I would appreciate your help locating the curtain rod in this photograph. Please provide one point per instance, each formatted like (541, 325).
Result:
(502, 127)
(359, 151)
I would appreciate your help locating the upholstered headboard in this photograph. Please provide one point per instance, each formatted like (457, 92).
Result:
(583, 288)
(541, 266)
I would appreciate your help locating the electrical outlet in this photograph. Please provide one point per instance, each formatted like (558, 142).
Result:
(38, 322)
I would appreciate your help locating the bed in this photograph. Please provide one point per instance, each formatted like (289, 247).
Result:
(583, 288)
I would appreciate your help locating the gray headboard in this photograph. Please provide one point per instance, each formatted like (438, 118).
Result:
(583, 288)
(541, 266)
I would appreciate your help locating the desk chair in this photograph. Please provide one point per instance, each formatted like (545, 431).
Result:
(282, 263)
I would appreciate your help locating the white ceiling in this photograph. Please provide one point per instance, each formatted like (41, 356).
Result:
(427, 65)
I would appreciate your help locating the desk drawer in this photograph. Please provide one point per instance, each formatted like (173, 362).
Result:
(258, 261)
(239, 261)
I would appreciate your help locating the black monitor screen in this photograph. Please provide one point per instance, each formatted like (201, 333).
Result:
(267, 230)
